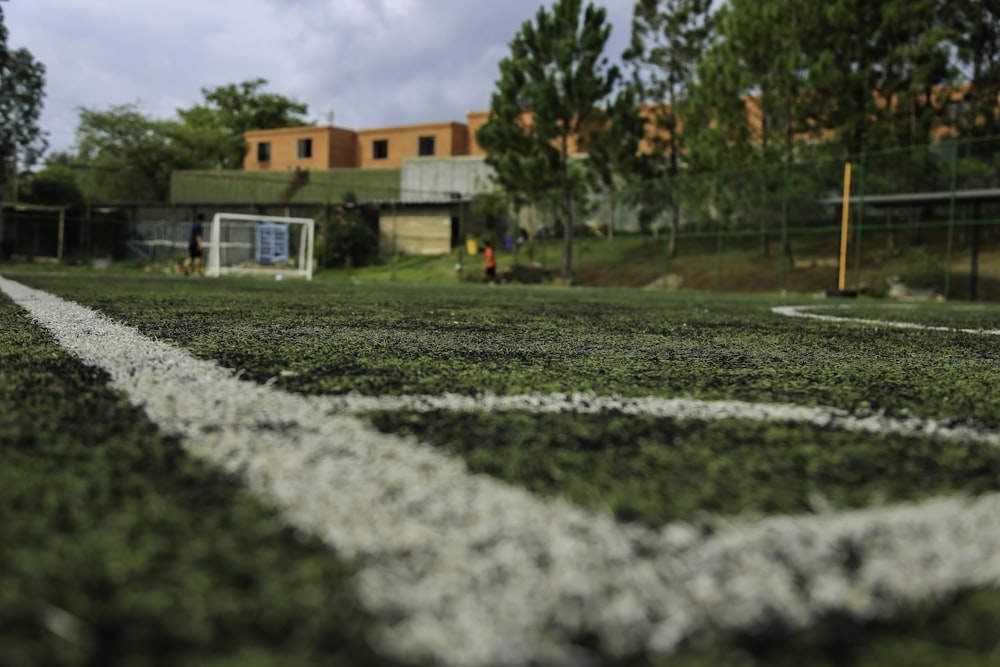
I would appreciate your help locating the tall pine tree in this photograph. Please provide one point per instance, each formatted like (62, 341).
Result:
(668, 41)
(551, 94)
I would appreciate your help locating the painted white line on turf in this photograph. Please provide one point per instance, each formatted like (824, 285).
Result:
(800, 311)
(475, 572)
(670, 408)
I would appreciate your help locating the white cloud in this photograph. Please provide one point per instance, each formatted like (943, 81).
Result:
(374, 63)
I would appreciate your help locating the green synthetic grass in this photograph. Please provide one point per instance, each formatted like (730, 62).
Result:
(392, 339)
(661, 470)
(118, 549)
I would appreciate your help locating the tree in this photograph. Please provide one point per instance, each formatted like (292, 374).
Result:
(54, 185)
(22, 89)
(975, 29)
(126, 156)
(614, 154)
(668, 40)
(233, 109)
(872, 70)
(549, 94)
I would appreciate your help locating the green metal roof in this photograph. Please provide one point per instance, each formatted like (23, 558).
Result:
(267, 187)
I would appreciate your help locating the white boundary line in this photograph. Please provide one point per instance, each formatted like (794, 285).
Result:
(799, 311)
(874, 423)
(475, 572)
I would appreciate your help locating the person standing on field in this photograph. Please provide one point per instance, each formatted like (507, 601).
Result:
(491, 263)
(193, 261)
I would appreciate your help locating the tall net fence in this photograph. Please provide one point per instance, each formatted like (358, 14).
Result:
(925, 219)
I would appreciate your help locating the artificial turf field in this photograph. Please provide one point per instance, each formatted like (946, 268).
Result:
(122, 541)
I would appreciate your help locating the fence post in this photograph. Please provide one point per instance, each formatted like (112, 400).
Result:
(666, 252)
(784, 230)
(861, 220)
(718, 247)
(951, 219)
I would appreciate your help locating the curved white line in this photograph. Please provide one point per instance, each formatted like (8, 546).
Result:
(475, 572)
(798, 311)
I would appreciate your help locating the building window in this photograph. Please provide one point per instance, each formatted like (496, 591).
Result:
(425, 146)
(380, 149)
(264, 151)
(305, 148)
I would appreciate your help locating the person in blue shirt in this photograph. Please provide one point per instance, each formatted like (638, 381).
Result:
(193, 261)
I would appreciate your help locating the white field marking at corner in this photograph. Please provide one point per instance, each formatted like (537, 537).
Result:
(873, 423)
(476, 572)
(798, 311)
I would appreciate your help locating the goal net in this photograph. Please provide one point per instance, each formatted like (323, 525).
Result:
(261, 244)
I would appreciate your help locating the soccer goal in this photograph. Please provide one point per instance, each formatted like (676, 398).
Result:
(259, 244)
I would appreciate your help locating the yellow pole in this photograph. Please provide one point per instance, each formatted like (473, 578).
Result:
(843, 226)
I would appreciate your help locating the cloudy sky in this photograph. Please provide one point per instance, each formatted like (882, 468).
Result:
(372, 63)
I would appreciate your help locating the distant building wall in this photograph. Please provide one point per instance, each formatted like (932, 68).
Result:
(415, 232)
(387, 147)
(425, 180)
(306, 147)
(473, 121)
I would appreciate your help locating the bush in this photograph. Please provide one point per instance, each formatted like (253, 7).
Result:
(914, 268)
(347, 240)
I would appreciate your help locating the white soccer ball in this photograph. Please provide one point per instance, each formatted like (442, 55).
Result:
(278, 277)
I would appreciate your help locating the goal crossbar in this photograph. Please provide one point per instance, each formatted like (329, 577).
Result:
(215, 243)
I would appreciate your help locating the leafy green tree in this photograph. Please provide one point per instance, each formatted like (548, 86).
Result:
(126, 156)
(717, 127)
(229, 111)
(550, 93)
(22, 89)
(975, 33)
(873, 67)
(54, 185)
(348, 239)
(918, 66)
(667, 43)
(617, 164)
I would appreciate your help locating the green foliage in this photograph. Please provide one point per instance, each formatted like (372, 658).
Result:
(231, 110)
(55, 185)
(975, 29)
(551, 89)
(22, 88)
(668, 40)
(348, 240)
(127, 156)
(913, 267)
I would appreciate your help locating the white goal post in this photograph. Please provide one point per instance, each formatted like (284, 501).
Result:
(259, 244)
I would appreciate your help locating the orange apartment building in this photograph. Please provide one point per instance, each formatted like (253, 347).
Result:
(327, 147)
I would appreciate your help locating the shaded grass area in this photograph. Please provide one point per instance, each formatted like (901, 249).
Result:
(662, 470)
(118, 549)
(958, 632)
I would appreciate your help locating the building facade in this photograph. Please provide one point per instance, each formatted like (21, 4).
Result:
(316, 147)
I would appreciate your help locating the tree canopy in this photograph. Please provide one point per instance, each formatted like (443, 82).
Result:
(123, 154)
(229, 111)
(22, 90)
(552, 90)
